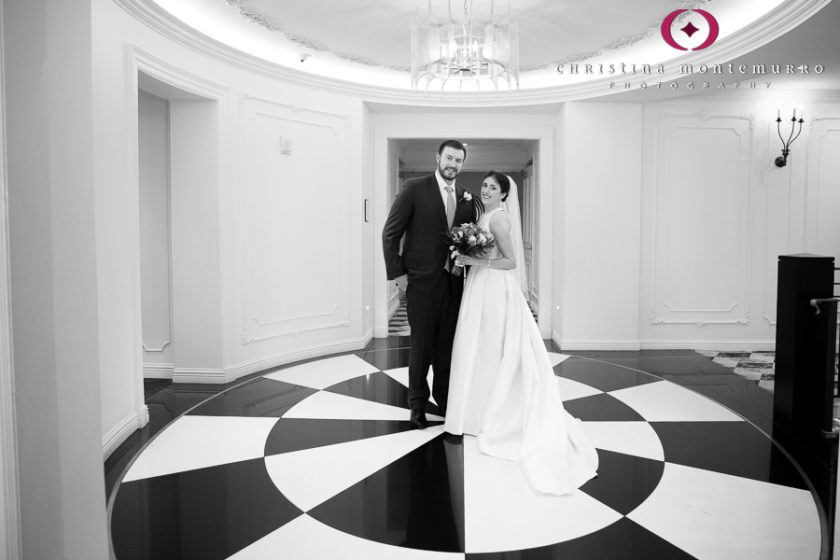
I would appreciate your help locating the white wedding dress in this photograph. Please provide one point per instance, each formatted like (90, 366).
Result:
(503, 389)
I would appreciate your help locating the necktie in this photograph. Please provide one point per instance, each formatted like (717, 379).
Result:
(450, 206)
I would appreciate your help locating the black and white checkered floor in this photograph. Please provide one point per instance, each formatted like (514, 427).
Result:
(317, 461)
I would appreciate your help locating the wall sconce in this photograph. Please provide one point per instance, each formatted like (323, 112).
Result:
(781, 161)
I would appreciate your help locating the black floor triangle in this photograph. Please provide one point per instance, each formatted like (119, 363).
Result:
(202, 514)
(623, 540)
(294, 434)
(379, 387)
(413, 502)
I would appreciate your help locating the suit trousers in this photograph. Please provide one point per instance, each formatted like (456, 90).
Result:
(432, 317)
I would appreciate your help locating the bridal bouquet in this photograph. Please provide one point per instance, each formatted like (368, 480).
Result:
(469, 240)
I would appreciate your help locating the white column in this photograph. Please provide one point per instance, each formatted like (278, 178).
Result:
(49, 121)
(9, 497)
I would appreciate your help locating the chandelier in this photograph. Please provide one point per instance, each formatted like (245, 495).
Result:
(464, 52)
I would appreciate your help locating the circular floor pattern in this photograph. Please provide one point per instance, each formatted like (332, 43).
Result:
(317, 461)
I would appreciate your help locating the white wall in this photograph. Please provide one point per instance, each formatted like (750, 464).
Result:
(299, 230)
(597, 235)
(155, 248)
(673, 217)
(717, 213)
(822, 209)
(196, 248)
(54, 280)
(277, 238)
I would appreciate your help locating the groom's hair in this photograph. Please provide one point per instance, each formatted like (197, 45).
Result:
(453, 144)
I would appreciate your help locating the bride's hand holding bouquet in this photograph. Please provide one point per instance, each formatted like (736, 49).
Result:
(467, 242)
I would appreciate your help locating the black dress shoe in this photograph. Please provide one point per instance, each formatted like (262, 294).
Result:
(418, 420)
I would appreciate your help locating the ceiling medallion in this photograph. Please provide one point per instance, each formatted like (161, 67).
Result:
(464, 51)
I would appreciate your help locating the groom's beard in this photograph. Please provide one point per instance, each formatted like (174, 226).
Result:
(448, 172)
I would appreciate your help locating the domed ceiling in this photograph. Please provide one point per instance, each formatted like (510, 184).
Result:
(366, 43)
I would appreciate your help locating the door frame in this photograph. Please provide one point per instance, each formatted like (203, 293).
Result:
(544, 171)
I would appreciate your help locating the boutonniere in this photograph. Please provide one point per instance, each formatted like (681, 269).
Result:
(467, 196)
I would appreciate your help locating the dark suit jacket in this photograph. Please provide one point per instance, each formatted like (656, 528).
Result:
(419, 213)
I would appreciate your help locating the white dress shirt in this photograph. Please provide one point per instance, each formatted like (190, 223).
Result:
(442, 186)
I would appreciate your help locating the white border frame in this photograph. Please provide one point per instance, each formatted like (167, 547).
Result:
(546, 182)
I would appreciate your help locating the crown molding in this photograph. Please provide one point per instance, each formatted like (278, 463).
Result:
(773, 25)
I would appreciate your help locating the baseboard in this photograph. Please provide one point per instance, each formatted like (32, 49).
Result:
(199, 375)
(158, 371)
(730, 345)
(247, 368)
(124, 428)
(555, 338)
(596, 344)
(633, 345)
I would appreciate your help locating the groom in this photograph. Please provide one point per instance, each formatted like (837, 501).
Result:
(424, 211)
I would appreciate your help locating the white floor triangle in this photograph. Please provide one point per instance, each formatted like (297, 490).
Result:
(503, 513)
(311, 476)
(631, 438)
(571, 389)
(716, 516)
(324, 373)
(400, 375)
(332, 406)
(557, 358)
(663, 401)
(306, 538)
(194, 442)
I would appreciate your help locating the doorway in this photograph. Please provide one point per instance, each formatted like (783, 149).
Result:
(524, 157)
(179, 238)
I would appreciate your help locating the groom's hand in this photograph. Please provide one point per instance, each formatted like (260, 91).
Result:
(402, 282)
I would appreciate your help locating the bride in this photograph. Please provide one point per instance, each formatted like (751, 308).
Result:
(502, 386)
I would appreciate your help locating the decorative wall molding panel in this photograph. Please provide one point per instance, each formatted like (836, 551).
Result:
(702, 219)
(277, 180)
(246, 339)
(822, 234)
(157, 350)
(265, 364)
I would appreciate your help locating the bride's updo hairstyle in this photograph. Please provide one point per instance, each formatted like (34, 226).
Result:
(504, 182)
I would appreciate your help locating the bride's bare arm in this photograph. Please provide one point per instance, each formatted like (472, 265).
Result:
(500, 228)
